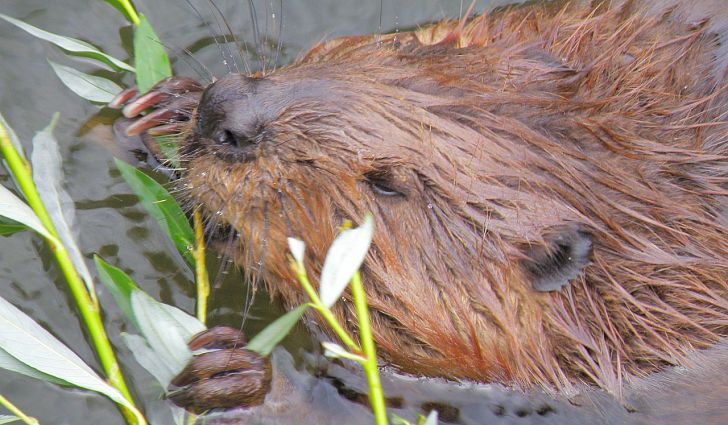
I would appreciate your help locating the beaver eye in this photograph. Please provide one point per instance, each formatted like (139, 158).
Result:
(381, 185)
(383, 190)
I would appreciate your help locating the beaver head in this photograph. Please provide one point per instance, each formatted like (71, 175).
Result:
(546, 187)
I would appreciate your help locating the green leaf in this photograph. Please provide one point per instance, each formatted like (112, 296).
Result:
(431, 418)
(48, 178)
(152, 62)
(335, 351)
(119, 284)
(8, 227)
(13, 137)
(148, 359)
(268, 338)
(398, 420)
(10, 363)
(168, 144)
(69, 44)
(13, 208)
(5, 419)
(344, 258)
(126, 8)
(163, 350)
(89, 87)
(162, 206)
(28, 343)
(297, 248)
(166, 329)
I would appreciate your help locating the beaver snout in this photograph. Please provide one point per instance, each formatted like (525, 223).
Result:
(232, 114)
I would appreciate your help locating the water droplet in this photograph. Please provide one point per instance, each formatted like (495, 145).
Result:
(190, 247)
(273, 15)
(429, 206)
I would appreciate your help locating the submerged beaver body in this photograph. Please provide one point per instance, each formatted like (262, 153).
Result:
(548, 185)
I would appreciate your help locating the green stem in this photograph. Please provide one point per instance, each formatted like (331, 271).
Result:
(17, 412)
(325, 312)
(376, 394)
(130, 11)
(191, 419)
(201, 278)
(87, 304)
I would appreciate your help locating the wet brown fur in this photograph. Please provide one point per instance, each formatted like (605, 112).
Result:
(498, 131)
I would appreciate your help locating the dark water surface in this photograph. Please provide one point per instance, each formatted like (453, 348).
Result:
(112, 223)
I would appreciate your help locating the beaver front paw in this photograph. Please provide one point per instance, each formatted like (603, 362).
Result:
(225, 375)
(169, 105)
(173, 100)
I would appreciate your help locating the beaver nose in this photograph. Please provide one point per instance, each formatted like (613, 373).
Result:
(233, 111)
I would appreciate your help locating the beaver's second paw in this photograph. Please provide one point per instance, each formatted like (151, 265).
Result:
(173, 100)
(226, 375)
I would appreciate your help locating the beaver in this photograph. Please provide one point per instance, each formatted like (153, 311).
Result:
(548, 185)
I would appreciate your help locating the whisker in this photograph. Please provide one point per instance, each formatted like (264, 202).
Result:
(250, 297)
(213, 35)
(279, 36)
(256, 30)
(235, 38)
(197, 66)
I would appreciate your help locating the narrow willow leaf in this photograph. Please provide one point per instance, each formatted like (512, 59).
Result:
(335, 351)
(152, 62)
(8, 227)
(344, 258)
(398, 420)
(148, 359)
(48, 178)
(119, 284)
(168, 145)
(166, 328)
(10, 363)
(13, 208)
(12, 136)
(297, 248)
(69, 44)
(431, 418)
(268, 338)
(89, 87)
(188, 324)
(6, 419)
(27, 342)
(162, 206)
(125, 7)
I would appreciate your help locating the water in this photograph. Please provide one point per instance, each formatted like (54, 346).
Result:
(112, 222)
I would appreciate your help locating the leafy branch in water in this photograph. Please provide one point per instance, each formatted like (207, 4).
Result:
(341, 266)
(48, 213)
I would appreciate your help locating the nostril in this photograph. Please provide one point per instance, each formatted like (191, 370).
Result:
(227, 137)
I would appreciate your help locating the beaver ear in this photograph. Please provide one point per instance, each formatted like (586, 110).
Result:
(552, 265)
